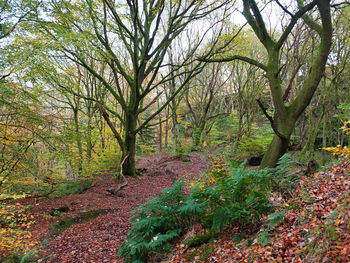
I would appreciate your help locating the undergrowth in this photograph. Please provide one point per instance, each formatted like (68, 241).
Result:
(70, 187)
(224, 196)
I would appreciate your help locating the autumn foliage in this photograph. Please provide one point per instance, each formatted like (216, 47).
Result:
(14, 234)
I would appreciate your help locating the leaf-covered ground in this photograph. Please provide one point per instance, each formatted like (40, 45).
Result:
(98, 240)
(315, 227)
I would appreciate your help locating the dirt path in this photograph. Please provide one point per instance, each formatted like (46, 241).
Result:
(98, 240)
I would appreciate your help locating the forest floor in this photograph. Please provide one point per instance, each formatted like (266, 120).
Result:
(315, 226)
(98, 239)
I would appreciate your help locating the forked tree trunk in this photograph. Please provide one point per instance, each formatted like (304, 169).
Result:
(286, 116)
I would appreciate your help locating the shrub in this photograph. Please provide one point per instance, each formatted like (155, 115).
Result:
(144, 149)
(255, 144)
(70, 187)
(339, 150)
(14, 215)
(344, 116)
(217, 170)
(110, 158)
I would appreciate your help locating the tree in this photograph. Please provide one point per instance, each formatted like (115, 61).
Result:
(203, 102)
(247, 84)
(24, 127)
(12, 13)
(132, 38)
(287, 113)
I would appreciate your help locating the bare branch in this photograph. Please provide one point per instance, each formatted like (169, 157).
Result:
(236, 57)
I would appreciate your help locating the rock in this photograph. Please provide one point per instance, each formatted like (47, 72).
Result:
(255, 160)
(62, 209)
(312, 166)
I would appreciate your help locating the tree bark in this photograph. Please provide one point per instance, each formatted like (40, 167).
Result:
(279, 144)
(130, 144)
(78, 140)
(89, 136)
(197, 134)
(276, 150)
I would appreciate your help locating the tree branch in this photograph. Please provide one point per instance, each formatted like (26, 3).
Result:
(235, 57)
(290, 85)
(111, 126)
(302, 10)
(272, 122)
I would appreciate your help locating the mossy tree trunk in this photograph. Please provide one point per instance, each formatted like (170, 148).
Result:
(197, 136)
(279, 144)
(130, 144)
(89, 137)
(307, 152)
(78, 140)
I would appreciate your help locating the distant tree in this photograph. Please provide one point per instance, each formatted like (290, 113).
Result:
(203, 100)
(22, 125)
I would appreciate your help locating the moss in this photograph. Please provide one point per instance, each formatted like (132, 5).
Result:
(58, 227)
(200, 239)
(84, 217)
(207, 250)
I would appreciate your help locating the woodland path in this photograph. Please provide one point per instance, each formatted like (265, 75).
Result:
(98, 240)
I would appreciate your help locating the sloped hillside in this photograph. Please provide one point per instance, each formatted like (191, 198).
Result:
(312, 225)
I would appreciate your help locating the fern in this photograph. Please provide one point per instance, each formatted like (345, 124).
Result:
(155, 225)
(281, 180)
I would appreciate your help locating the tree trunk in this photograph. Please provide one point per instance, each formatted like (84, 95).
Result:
(78, 140)
(101, 131)
(89, 138)
(175, 129)
(197, 134)
(280, 142)
(166, 130)
(176, 133)
(129, 168)
(276, 150)
(308, 151)
(160, 133)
